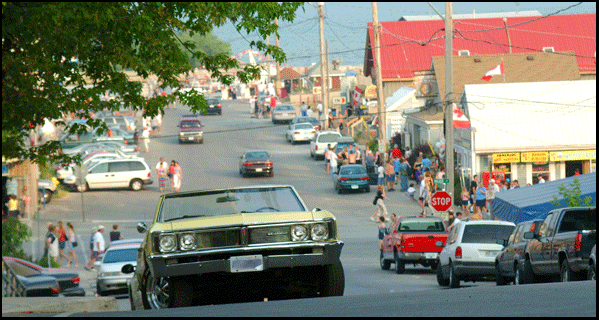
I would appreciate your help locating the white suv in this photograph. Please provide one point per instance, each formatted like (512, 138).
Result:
(320, 142)
(470, 251)
(114, 173)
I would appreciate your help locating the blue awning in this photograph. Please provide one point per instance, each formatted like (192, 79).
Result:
(351, 73)
(534, 202)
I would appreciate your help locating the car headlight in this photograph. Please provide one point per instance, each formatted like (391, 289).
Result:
(299, 232)
(181, 133)
(187, 241)
(167, 243)
(319, 231)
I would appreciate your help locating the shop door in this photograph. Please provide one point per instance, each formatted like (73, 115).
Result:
(571, 167)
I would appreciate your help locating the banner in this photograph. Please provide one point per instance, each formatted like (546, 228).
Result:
(507, 157)
(541, 157)
(357, 93)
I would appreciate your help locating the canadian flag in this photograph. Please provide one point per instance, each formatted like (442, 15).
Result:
(357, 93)
(459, 119)
(493, 72)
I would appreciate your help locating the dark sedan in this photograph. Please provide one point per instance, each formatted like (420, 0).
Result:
(40, 286)
(352, 177)
(509, 263)
(213, 107)
(68, 281)
(256, 162)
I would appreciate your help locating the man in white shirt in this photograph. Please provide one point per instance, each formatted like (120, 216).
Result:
(457, 220)
(541, 179)
(98, 247)
(309, 112)
(333, 160)
(145, 135)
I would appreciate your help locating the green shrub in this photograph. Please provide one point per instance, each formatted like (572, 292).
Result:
(14, 234)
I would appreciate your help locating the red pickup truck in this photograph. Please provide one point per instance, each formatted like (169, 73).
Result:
(413, 239)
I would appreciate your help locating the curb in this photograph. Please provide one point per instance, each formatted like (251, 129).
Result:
(37, 305)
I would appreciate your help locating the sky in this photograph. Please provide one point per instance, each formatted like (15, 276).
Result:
(345, 26)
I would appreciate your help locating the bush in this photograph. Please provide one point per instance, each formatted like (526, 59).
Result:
(424, 148)
(43, 262)
(373, 145)
(14, 234)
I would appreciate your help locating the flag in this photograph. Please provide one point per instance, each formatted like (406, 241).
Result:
(357, 93)
(459, 119)
(493, 72)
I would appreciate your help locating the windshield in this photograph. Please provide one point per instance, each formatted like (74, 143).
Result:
(260, 155)
(328, 137)
(421, 224)
(303, 126)
(190, 124)
(284, 108)
(228, 202)
(212, 101)
(124, 255)
(482, 233)
(353, 170)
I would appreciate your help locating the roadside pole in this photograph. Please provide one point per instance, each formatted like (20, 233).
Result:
(379, 81)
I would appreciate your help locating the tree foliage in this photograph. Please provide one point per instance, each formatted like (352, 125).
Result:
(14, 234)
(571, 196)
(39, 40)
(208, 43)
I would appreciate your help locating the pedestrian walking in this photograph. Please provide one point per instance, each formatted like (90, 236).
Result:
(404, 174)
(115, 234)
(177, 177)
(171, 173)
(481, 199)
(72, 243)
(303, 109)
(381, 176)
(378, 201)
(333, 158)
(382, 230)
(422, 199)
(51, 245)
(98, 247)
(390, 174)
(62, 241)
(25, 204)
(465, 201)
(145, 136)
(411, 192)
(161, 171)
(327, 159)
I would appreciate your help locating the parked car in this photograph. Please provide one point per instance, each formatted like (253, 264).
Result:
(214, 106)
(110, 278)
(413, 239)
(509, 263)
(319, 144)
(128, 136)
(311, 120)
(137, 241)
(45, 190)
(90, 160)
(114, 173)
(562, 246)
(191, 129)
(283, 113)
(122, 122)
(68, 281)
(71, 140)
(256, 162)
(300, 132)
(351, 177)
(241, 236)
(592, 273)
(470, 251)
(40, 286)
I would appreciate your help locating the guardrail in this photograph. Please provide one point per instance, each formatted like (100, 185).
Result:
(11, 286)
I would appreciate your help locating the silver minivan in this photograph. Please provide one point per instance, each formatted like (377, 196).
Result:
(320, 142)
(133, 173)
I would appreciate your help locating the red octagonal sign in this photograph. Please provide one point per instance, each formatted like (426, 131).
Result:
(441, 201)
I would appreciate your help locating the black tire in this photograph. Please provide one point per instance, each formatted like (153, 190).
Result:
(136, 184)
(591, 273)
(440, 279)
(334, 281)
(98, 290)
(528, 275)
(339, 191)
(400, 265)
(519, 275)
(385, 264)
(434, 265)
(454, 280)
(500, 280)
(155, 292)
(565, 274)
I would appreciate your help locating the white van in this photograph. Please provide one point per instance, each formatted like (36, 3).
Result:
(114, 173)
(320, 142)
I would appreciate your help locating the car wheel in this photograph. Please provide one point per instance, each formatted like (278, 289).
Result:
(591, 274)
(339, 190)
(565, 272)
(440, 279)
(334, 281)
(454, 280)
(385, 264)
(136, 184)
(499, 279)
(155, 292)
(367, 189)
(98, 290)
(518, 275)
(434, 265)
(528, 275)
(400, 265)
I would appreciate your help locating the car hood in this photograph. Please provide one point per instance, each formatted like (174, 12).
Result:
(240, 219)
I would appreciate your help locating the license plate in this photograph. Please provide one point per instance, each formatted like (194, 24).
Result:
(354, 186)
(284, 114)
(432, 255)
(247, 263)
(259, 170)
(190, 138)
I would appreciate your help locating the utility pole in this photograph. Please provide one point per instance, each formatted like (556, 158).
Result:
(278, 81)
(448, 99)
(267, 66)
(326, 74)
(325, 103)
(379, 81)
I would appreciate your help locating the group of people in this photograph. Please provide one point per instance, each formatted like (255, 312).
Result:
(173, 172)
(264, 110)
(97, 244)
(58, 241)
(333, 160)
(474, 200)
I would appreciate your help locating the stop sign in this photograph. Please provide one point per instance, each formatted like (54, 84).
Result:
(441, 201)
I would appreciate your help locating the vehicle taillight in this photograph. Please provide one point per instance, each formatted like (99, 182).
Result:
(297, 132)
(75, 280)
(56, 290)
(316, 147)
(578, 243)
(149, 174)
(268, 163)
(458, 253)
(313, 131)
(218, 105)
(125, 141)
(247, 164)
(343, 179)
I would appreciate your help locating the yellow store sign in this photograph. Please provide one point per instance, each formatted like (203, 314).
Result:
(573, 155)
(534, 157)
(508, 157)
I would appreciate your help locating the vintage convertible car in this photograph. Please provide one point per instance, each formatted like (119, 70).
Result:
(235, 245)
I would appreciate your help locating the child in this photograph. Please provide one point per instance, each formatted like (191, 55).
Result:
(382, 231)
(411, 191)
(465, 201)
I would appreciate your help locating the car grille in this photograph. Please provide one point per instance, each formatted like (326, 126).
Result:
(269, 235)
(187, 134)
(219, 238)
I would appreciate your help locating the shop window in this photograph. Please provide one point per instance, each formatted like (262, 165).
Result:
(540, 170)
(506, 168)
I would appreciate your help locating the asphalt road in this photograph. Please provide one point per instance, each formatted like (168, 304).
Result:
(214, 164)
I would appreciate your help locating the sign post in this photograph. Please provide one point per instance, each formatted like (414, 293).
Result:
(441, 201)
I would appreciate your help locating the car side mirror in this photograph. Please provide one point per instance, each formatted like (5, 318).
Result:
(128, 268)
(502, 242)
(529, 235)
(141, 227)
(316, 209)
(439, 244)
